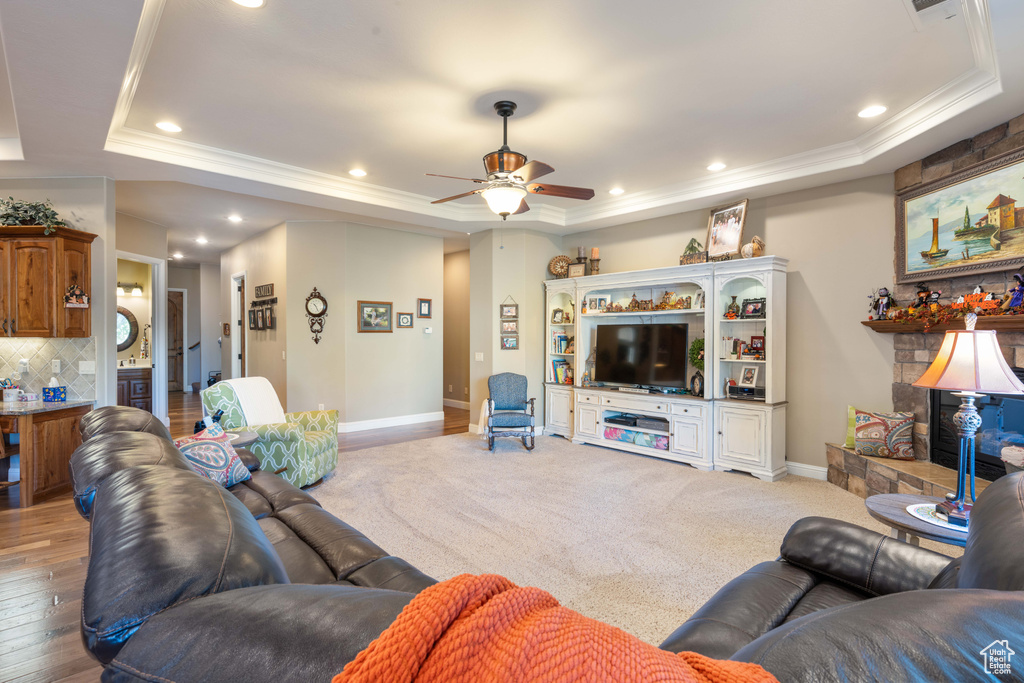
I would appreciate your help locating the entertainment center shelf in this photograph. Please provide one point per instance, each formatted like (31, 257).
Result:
(715, 430)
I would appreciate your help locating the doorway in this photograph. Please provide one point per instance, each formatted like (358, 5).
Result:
(238, 314)
(177, 321)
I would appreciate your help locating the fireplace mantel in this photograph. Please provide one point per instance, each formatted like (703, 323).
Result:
(1000, 323)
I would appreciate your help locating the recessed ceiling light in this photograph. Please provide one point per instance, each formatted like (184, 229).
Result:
(251, 4)
(178, 254)
(201, 240)
(168, 127)
(717, 166)
(235, 218)
(616, 190)
(871, 111)
(357, 172)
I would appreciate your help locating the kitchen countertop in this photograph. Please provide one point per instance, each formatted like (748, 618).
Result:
(32, 407)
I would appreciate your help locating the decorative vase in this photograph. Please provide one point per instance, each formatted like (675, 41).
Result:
(733, 311)
(754, 249)
(697, 384)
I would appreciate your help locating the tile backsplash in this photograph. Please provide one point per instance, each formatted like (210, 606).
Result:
(39, 352)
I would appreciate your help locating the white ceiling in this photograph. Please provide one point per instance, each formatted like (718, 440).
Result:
(277, 104)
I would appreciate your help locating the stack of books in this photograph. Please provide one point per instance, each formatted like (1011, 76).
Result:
(560, 342)
(561, 371)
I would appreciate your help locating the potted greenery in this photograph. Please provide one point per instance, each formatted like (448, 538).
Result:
(697, 361)
(13, 212)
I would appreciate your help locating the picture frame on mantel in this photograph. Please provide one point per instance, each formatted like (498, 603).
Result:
(965, 224)
(725, 229)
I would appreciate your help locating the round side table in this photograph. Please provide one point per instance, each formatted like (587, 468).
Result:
(891, 509)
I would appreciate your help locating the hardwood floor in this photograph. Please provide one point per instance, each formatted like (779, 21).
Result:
(44, 553)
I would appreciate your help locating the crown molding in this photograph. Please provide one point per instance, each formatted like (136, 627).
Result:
(965, 92)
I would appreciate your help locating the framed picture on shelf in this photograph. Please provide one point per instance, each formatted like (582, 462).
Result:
(509, 342)
(423, 306)
(748, 375)
(374, 316)
(510, 327)
(557, 316)
(725, 229)
(753, 308)
(509, 311)
(757, 343)
(403, 319)
(577, 269)
(592, 304)
(602, 303)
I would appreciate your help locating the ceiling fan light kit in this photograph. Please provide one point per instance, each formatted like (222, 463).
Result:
(510, 176)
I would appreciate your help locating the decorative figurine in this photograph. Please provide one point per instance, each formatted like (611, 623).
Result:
(754, 249)
(1016, 294)
(882, 303)
(733, 311)
(634, 304)
(933, 300)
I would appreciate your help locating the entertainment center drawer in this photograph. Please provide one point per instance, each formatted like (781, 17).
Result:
(641, 406)
(688, 410)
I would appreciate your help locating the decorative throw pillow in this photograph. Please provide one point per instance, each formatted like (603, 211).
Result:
(885, 435)
(210, 453)
(851, 427)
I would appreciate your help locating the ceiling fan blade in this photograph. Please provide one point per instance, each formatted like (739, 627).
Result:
(532, 170)
(454, 177)
(523, 208)
(458, 196)
(560, 191)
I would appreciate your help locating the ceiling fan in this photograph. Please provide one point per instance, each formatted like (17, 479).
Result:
(510, 178)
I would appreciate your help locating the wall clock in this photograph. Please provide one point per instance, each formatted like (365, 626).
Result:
(316, 311)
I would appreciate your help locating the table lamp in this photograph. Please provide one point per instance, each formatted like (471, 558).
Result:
(969, 364)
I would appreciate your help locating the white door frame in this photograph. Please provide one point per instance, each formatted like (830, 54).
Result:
(186, 386)
(158, 311)
(236, 315)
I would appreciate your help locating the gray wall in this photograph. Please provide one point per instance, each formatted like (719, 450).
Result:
(263, 258)
(210, 319)
(456, 326)
(839, 242)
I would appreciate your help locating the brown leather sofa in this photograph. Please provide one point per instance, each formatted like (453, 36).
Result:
(189, 581)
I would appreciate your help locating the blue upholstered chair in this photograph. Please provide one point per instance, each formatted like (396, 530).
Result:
(506, 409)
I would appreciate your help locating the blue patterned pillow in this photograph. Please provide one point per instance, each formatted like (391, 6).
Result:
(215, 460)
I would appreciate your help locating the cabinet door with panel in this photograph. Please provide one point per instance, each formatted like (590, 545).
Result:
(687, 437)
(122, 392)
(741, 437)
(72, 269)
(588, 419)
(32, 296)
(559, 409)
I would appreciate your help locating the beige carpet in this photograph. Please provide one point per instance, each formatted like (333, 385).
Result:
(637, 542)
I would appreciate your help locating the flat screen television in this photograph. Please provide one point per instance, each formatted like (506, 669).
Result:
(645, 355)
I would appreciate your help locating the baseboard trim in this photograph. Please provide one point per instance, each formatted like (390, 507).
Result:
(809, 471)
(452, 403)
(397, 421)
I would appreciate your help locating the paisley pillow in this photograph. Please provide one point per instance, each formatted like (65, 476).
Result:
(885, 435)
(210, 453)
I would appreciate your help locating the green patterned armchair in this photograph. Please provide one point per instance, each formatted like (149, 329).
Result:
(306, 443)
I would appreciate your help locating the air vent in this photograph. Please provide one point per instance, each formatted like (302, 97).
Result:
(920, 5)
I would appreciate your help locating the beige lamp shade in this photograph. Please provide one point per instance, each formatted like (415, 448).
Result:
(970, 360)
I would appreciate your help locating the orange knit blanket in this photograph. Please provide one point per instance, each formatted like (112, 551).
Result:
(485, 628)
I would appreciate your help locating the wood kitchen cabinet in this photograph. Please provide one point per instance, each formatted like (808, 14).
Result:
(135, 388)
(36, 271)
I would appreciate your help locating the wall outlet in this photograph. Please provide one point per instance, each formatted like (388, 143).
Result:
(55, 366)
(321, 406)
(428, 330)
(283, 356)
(479, 356)
(449, 388)
(465, 390)
(87, 367)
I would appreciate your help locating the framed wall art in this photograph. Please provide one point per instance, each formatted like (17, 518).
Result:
(374, 316)
(509, 342)
(509, 311)
(725, 229)
(403, 319)
(423, 307)
(510, 327)
(965, 224)
(252, 319)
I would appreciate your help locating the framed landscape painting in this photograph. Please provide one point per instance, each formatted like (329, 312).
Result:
(965, 224)
(374, 316)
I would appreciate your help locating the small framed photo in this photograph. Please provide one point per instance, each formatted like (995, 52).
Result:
(260, 320)
(592, 304)
(403, 319)
(557, 316)
(227, 329)
(510, 327)
(509, 311)
(374, 316)
(509, 342)
(423, 308)
(577, 269)
(252, 318)
(602, 303)
(757, 343)
(753, 308)
(269, 318)
(748, 375)
(725, 229)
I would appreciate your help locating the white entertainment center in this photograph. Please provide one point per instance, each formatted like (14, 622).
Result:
(745, 431)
